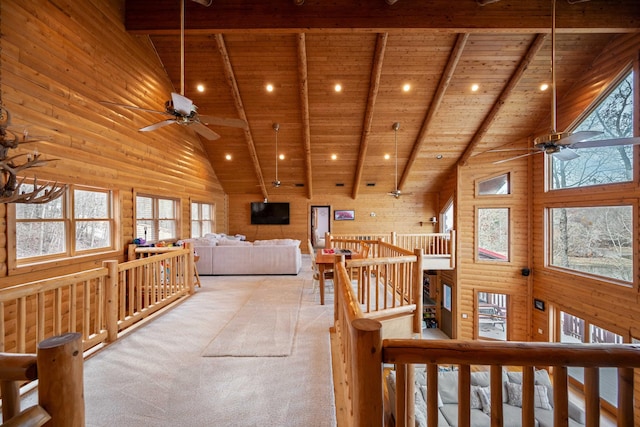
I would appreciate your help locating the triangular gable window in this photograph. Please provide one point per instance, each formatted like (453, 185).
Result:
(613, 116)
(498, 185)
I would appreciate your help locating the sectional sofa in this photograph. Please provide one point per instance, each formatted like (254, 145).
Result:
(231, 255)
(481, 399)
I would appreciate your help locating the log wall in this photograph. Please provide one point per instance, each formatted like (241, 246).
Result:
(59, 60)
(402, 215)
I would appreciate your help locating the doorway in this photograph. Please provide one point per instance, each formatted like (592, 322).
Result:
(320, 224)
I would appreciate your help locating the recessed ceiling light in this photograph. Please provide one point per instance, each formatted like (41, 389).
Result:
(544, 86)
(406, 87)
(228, 157)
(439, 156)
(200, 87)
(475, 87)
(269, 87)
(334, 156)
(338, 87)
(281, 156)
(387, 156)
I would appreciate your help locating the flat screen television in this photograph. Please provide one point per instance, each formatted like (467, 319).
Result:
(269, 213)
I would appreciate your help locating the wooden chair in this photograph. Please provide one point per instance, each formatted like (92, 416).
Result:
(328, 274)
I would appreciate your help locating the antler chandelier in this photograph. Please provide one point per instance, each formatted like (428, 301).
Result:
(11, 187)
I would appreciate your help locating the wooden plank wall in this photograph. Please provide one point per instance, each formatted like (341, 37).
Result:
(59, 59)
(475, 276)
(401, 215)
(607, 305)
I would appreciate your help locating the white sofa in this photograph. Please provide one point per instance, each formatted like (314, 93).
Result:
(480, 402)
(229, 256)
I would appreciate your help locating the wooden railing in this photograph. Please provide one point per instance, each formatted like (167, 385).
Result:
(389, 286)
(97, 303)
(438, 249)
(364, 350)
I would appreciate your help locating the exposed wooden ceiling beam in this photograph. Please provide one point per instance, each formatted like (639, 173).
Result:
(532, 16)
(374, 86)
(444, 83)
(533, 50)
(237, 99)
(304, 107)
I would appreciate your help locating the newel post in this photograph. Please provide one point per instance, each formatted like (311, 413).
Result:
(60, 386)
(191, 269)
(417, 292)
(111, 293)
(367, 373)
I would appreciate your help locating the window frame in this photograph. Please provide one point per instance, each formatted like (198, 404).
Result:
(548, 230)
(155, 219)
(200, 220)
(69, 224)
(508, 259)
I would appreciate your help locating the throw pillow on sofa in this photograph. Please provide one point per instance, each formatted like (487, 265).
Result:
(540, 398)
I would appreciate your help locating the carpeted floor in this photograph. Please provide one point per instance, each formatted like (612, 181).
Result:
(157, 375)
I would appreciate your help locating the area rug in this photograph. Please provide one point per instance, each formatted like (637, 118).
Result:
(265, 326)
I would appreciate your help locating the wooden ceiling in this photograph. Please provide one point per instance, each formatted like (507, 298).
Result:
(372, 49)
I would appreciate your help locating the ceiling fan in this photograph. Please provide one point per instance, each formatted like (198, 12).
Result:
(562, 145)
(182, 110)
(396, 192)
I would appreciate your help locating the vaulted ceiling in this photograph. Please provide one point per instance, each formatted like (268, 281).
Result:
(303, 48)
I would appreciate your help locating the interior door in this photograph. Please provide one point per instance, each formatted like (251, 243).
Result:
(320, 224)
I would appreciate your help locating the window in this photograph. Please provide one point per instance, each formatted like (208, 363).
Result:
(156, 218)
(593, 240)
(498, 185)
(573, 329)
(492, 316)
(603, 165)
(447, 218)
(493, 234)
(202, 219)
(44, 231)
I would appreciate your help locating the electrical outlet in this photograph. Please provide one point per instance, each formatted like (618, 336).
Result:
(465, 315)
(540, 331)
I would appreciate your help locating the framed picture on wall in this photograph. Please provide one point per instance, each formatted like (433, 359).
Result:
(344, 215)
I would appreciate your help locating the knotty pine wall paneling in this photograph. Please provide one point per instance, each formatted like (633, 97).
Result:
(472, 275)
(58, 61)
(402, 215)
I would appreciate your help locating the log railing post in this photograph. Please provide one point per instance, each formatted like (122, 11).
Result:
(417, 293)
(367, 364)
(60, 386)
(15, 368)
(111, 298)
(190, 268)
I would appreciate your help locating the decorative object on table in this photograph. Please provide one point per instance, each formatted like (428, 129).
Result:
(344, 215)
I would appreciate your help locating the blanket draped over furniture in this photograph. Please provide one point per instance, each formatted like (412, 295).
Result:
(481, 399)
(229, 256)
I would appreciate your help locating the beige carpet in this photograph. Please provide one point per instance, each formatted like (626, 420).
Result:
(266, 323)
(156, 376)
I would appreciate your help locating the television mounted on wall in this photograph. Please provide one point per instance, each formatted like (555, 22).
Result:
(269, 213)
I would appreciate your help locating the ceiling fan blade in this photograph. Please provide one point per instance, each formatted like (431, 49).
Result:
(220, 121)
(204, 131)
(516, 157)
(133, 107)
(157, 125)
(579, 137)
(606, 142)
(182, 104)
(566, 154)
(498, 150)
